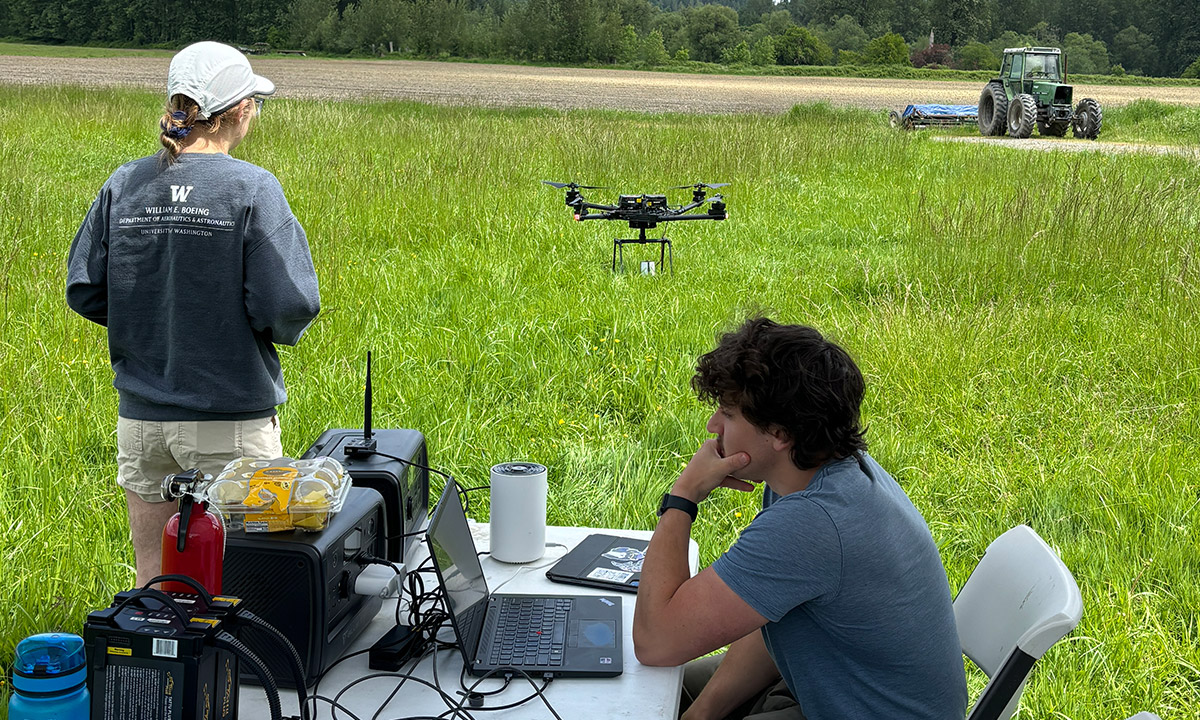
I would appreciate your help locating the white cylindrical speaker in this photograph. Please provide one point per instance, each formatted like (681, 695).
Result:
(518, 513)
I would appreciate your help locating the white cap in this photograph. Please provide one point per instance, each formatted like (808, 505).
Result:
(216, 76)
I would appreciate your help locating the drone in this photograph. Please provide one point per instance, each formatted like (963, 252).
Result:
(643, 212)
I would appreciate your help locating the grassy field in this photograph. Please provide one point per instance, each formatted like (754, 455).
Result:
(1026, 322)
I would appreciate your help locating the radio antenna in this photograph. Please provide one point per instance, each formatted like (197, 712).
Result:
(364, 445)
(367, 402)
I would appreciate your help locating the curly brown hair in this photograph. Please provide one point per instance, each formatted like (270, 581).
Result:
(788, 377)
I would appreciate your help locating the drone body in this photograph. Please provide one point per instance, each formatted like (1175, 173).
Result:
(645, 211)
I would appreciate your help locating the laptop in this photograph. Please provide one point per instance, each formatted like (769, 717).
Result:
(559, 635)
(603, 561)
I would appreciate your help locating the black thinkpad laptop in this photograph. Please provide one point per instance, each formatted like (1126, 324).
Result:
(563, 635)
(603, 561)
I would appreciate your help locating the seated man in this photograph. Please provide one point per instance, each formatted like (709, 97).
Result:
(834, 601)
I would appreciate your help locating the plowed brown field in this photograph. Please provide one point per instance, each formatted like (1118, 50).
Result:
(562, 88)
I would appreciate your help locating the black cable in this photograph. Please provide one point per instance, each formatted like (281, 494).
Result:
(229, 642)
(281, 640)
(401, 536)
(339, 661)
(462, 683)
(537, 692)
(466, 500)
(411, 463)
(421, 681)
(334, 704)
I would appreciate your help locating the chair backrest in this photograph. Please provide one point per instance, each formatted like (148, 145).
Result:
(1019, 600)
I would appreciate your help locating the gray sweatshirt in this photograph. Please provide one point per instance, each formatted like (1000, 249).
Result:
(197, 269)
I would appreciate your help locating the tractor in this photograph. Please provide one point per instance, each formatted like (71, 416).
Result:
(1031, 91)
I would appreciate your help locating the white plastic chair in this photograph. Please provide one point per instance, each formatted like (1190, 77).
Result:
(1019, 600)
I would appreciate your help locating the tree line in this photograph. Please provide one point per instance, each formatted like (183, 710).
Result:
(1153, 37)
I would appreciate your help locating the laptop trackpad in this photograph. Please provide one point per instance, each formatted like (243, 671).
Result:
(597, 633)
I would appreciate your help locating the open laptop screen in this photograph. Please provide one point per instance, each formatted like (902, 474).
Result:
(453, 552)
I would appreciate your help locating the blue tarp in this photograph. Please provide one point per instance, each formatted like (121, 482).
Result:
(941, 111)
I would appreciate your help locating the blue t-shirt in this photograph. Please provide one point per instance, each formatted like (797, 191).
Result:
(861, 623)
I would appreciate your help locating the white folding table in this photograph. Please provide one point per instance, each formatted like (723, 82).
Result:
(639, 692)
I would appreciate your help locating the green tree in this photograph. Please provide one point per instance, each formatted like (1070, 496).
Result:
(844, 34)
(1133, 49)
(710, 29)
(889, 49)
(681, 56)
(801, 46)
(753, 11)
(1085, 55)
(777, 22)
(977, 56)
(627, 49)
(1193, 70)
(306, 23)
(763, 52)
(653, 52)
(737, 55)
(1010, 39)
(374, 23)
(955, 22)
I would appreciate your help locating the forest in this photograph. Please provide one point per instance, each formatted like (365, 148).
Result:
(1153, 37)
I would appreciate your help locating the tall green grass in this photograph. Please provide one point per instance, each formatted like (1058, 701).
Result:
(1026, 322)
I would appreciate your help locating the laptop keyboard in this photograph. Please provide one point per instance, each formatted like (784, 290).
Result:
(530, 631)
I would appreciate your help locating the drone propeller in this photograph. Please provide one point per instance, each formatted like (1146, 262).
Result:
(699, 186)
(572, 186)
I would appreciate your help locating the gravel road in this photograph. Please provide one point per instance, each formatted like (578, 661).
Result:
(562, 88)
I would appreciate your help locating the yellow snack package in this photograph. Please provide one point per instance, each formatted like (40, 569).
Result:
(271, 490)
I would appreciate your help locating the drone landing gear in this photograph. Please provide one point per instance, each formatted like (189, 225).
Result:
(664, 249)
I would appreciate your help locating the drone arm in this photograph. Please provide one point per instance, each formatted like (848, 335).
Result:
(585, 206)
(706, 216)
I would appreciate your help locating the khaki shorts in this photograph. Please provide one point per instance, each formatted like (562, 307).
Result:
(149, 450)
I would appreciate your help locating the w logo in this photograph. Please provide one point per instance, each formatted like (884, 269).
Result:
(179, 193)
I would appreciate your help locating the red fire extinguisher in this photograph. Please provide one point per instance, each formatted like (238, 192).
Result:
(193, 541)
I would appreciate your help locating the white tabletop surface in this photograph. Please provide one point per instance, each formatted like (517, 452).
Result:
(639, 692)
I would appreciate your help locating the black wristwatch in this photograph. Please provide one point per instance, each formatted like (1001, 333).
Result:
(679, 503)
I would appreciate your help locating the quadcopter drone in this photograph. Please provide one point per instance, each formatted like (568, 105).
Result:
(645, 211)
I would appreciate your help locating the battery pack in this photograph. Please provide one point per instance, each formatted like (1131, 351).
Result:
(153, 657)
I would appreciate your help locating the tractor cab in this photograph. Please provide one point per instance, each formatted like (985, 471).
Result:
(1038, 72)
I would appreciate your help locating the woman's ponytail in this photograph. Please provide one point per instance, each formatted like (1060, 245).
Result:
(177, 122)
(180, 120)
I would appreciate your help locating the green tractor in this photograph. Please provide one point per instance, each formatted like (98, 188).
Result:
(1030, 91)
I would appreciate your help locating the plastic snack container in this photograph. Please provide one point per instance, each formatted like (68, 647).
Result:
(281, 494)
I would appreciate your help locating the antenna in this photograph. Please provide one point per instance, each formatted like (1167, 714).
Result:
(367, 402)
(364, 445)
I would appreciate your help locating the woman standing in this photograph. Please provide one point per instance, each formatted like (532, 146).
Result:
(198, 268)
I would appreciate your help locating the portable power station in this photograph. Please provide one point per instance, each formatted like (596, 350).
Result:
(303, 584)
(403, 482)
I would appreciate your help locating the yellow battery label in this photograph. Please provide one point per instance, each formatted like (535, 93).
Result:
(120, 651)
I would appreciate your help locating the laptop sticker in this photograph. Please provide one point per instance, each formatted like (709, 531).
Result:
(617, 576)
(626, 558)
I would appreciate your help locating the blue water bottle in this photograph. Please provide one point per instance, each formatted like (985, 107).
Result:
(49, 679)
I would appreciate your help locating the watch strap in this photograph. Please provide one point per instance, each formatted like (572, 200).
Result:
(670, 501)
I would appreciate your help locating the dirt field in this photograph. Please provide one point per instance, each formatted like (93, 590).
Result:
(563, 88)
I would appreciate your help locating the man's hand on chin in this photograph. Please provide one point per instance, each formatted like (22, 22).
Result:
(708, 470)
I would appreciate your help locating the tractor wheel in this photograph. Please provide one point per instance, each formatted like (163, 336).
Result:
(894, 119)
(1022, 116)
(1088, 119)
(1055, 129)
(993, 109)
